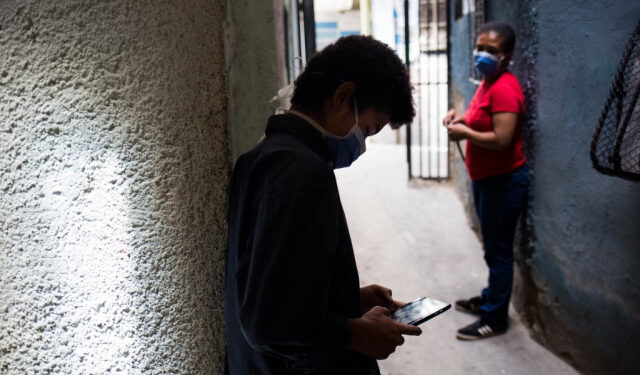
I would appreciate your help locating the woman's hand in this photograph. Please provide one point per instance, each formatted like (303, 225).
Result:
(377, 335)
(452, 117)
(376, 295)
(449, 117)
(457, 132)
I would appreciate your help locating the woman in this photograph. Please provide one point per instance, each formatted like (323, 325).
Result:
(496, 164)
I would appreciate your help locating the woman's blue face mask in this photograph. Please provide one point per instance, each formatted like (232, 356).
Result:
(485, 62)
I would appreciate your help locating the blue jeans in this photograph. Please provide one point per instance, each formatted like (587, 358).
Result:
(499, 201)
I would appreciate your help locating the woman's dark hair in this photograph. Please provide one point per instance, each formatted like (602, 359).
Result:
(504, 30)
(380, 78)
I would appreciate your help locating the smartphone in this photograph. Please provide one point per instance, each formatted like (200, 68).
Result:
(419, 311)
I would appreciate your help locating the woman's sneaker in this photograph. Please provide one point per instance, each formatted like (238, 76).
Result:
(470, 306)
(479, 330)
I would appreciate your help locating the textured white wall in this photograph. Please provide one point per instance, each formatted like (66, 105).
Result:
(256, 67)
(114, 164)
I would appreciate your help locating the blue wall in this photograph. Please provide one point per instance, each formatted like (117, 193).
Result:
(578, 284)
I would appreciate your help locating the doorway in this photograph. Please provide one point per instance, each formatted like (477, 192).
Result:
(418, 31)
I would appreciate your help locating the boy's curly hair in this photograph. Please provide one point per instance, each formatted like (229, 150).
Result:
(380, 78)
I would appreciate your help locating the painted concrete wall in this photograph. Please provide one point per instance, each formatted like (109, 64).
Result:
(114, 164)
(255, 41)
(577, 284)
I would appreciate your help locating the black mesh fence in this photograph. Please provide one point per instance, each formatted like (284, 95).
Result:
(615, 148)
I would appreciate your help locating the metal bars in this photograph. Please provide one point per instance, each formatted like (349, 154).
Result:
(428, 146)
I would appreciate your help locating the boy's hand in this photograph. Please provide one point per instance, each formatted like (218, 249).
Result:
(377, 335)
(376, 295)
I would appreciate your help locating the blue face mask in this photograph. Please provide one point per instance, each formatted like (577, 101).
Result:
(348, 148)
(344, 149)
(485, 62)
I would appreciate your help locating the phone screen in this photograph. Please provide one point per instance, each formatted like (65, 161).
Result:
(419, 311)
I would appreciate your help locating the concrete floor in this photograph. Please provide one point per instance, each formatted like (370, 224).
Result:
(416, 241)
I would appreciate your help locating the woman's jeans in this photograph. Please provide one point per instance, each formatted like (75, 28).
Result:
(499, 201)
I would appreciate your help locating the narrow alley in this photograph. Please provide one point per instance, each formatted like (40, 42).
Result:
(133, 242)
(416, 241)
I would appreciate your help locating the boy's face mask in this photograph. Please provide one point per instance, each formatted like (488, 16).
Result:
(348, 148)
(485, 62)
(344, 149)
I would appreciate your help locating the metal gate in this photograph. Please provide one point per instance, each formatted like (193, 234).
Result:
(427, 140)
